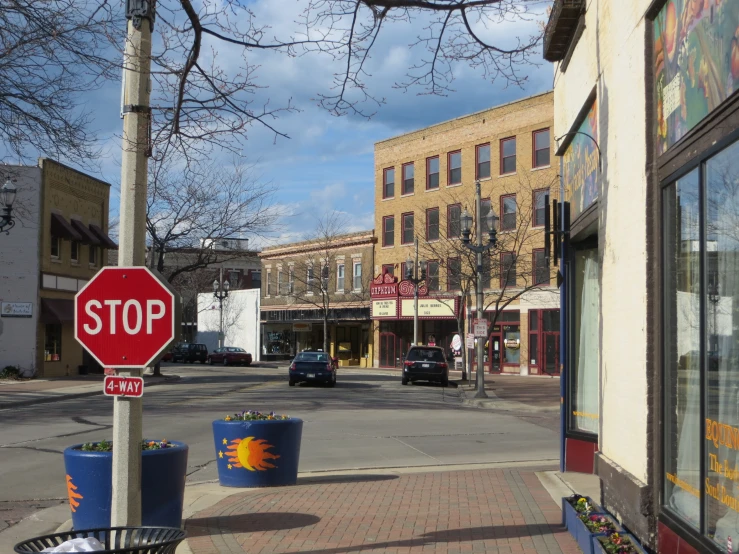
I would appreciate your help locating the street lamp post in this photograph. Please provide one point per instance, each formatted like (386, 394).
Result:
(479, 249)
(7, 197)
(415, 272)
(220, 291)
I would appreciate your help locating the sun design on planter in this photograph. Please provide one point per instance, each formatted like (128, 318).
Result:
(74, 497)
(250, 454)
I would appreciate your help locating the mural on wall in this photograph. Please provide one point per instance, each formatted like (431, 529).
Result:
(581, 165)
(696, 63)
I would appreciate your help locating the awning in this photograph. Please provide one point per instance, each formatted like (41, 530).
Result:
(57, 310)
(87, 236)
(105, 240)
(60, 227)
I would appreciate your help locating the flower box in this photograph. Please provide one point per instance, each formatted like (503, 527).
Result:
(257, 452)
(90, 485)
(628, 546)
(573, 523)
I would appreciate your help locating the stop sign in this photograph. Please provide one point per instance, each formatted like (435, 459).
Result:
(125, 317)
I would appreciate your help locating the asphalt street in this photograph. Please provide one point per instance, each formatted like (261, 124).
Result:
(368, 421)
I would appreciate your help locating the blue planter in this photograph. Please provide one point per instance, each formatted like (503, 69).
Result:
(598, 549)
(258, 453)
(90, 486)
(571, 520)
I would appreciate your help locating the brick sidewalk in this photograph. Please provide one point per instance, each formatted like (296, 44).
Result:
(487, 510)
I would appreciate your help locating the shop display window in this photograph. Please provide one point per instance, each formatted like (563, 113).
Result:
(53, 343)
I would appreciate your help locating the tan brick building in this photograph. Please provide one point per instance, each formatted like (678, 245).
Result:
(303, 281)
(59, 243)
(424, 181)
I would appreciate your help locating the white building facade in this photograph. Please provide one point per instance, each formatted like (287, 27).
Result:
(240, 313)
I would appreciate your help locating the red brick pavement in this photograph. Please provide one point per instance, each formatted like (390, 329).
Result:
(487, 510)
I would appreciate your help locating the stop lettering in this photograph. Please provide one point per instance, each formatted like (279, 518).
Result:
(125, 317)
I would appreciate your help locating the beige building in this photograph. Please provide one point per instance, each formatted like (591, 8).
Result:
(59, 243)
(318, 288)
(424, 181)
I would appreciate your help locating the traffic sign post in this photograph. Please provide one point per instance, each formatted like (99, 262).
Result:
(480, 327)
(126, 317)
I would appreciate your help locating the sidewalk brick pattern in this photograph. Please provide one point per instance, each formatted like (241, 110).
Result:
(488, 510)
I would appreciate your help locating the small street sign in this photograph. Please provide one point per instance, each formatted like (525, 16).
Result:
(480, 327)
(120, 385)
(470, 341)
(125, 317)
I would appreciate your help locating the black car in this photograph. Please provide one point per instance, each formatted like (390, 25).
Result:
(190, 353)
(425, 363)
(312, 367)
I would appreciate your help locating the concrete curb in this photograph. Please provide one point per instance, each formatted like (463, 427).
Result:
(497, 403)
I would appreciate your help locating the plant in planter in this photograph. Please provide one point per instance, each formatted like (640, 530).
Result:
(600, 523)
(89, 475)
(577, 509)
(255, 449)
(617, 543)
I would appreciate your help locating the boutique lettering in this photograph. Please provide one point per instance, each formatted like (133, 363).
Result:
(721, 434)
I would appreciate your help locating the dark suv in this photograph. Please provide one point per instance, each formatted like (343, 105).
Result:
(425, 363)
(190, 353)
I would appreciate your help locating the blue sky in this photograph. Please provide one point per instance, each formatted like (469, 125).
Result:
(327, 164)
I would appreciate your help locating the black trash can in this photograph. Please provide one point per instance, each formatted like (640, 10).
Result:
(117, 540)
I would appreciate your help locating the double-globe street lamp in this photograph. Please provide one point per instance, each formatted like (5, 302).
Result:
(7, 197)
(415, 272)
(220, 291)
(479, 249)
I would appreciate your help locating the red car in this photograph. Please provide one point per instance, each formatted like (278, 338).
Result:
(229, 355)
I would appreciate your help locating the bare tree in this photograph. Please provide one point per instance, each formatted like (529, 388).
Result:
(511, 268)
(312, 279)
(192, 207)
(52, 51)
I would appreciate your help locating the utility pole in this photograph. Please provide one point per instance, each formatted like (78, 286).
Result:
(479, 249)
(127, 412)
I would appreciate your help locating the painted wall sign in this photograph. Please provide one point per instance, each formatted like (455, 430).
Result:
(581, 165)
(696, 64)
(16, 309)
(445, 308)
(384, 309)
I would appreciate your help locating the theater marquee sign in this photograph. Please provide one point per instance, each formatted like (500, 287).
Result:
(394, 300)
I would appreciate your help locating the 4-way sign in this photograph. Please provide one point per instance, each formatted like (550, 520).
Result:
(125, 317)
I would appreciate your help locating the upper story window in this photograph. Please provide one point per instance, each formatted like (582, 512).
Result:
(508, 211)
(290, 280)
(340, 278)
(432, 173)
(75, 252)
(541, 148)
(408, 174)
(310, 281)
(453, 224)
(507, 270)
(389, 269)
(280, 289)
(56, 247)
(484, 211)
(269, 282)
(93, 255)
(454, 160)
(388, 182)
(540, 207)
(388, 230)
(482, 161)
(454, 274)
(508, 155)
(407, 237)
(432, 275)
(541, 269)
(357, 275)
(432, 224)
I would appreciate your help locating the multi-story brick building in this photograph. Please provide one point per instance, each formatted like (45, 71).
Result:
(424, 181)
(313, 284)
(58, 244)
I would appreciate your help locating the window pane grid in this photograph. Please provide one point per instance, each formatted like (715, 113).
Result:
(508, 209)
(508, 156)
(455, 168)
(432, 224)
(388, 231)
(541, 148)
(432, 173)
(454, 228)
(388, 188)
(408, 178)
(407, 228)
(483, 161)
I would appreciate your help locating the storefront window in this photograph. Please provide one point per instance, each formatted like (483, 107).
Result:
(584, 384)
(53, 343)
(701, 327)
(682, 348)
